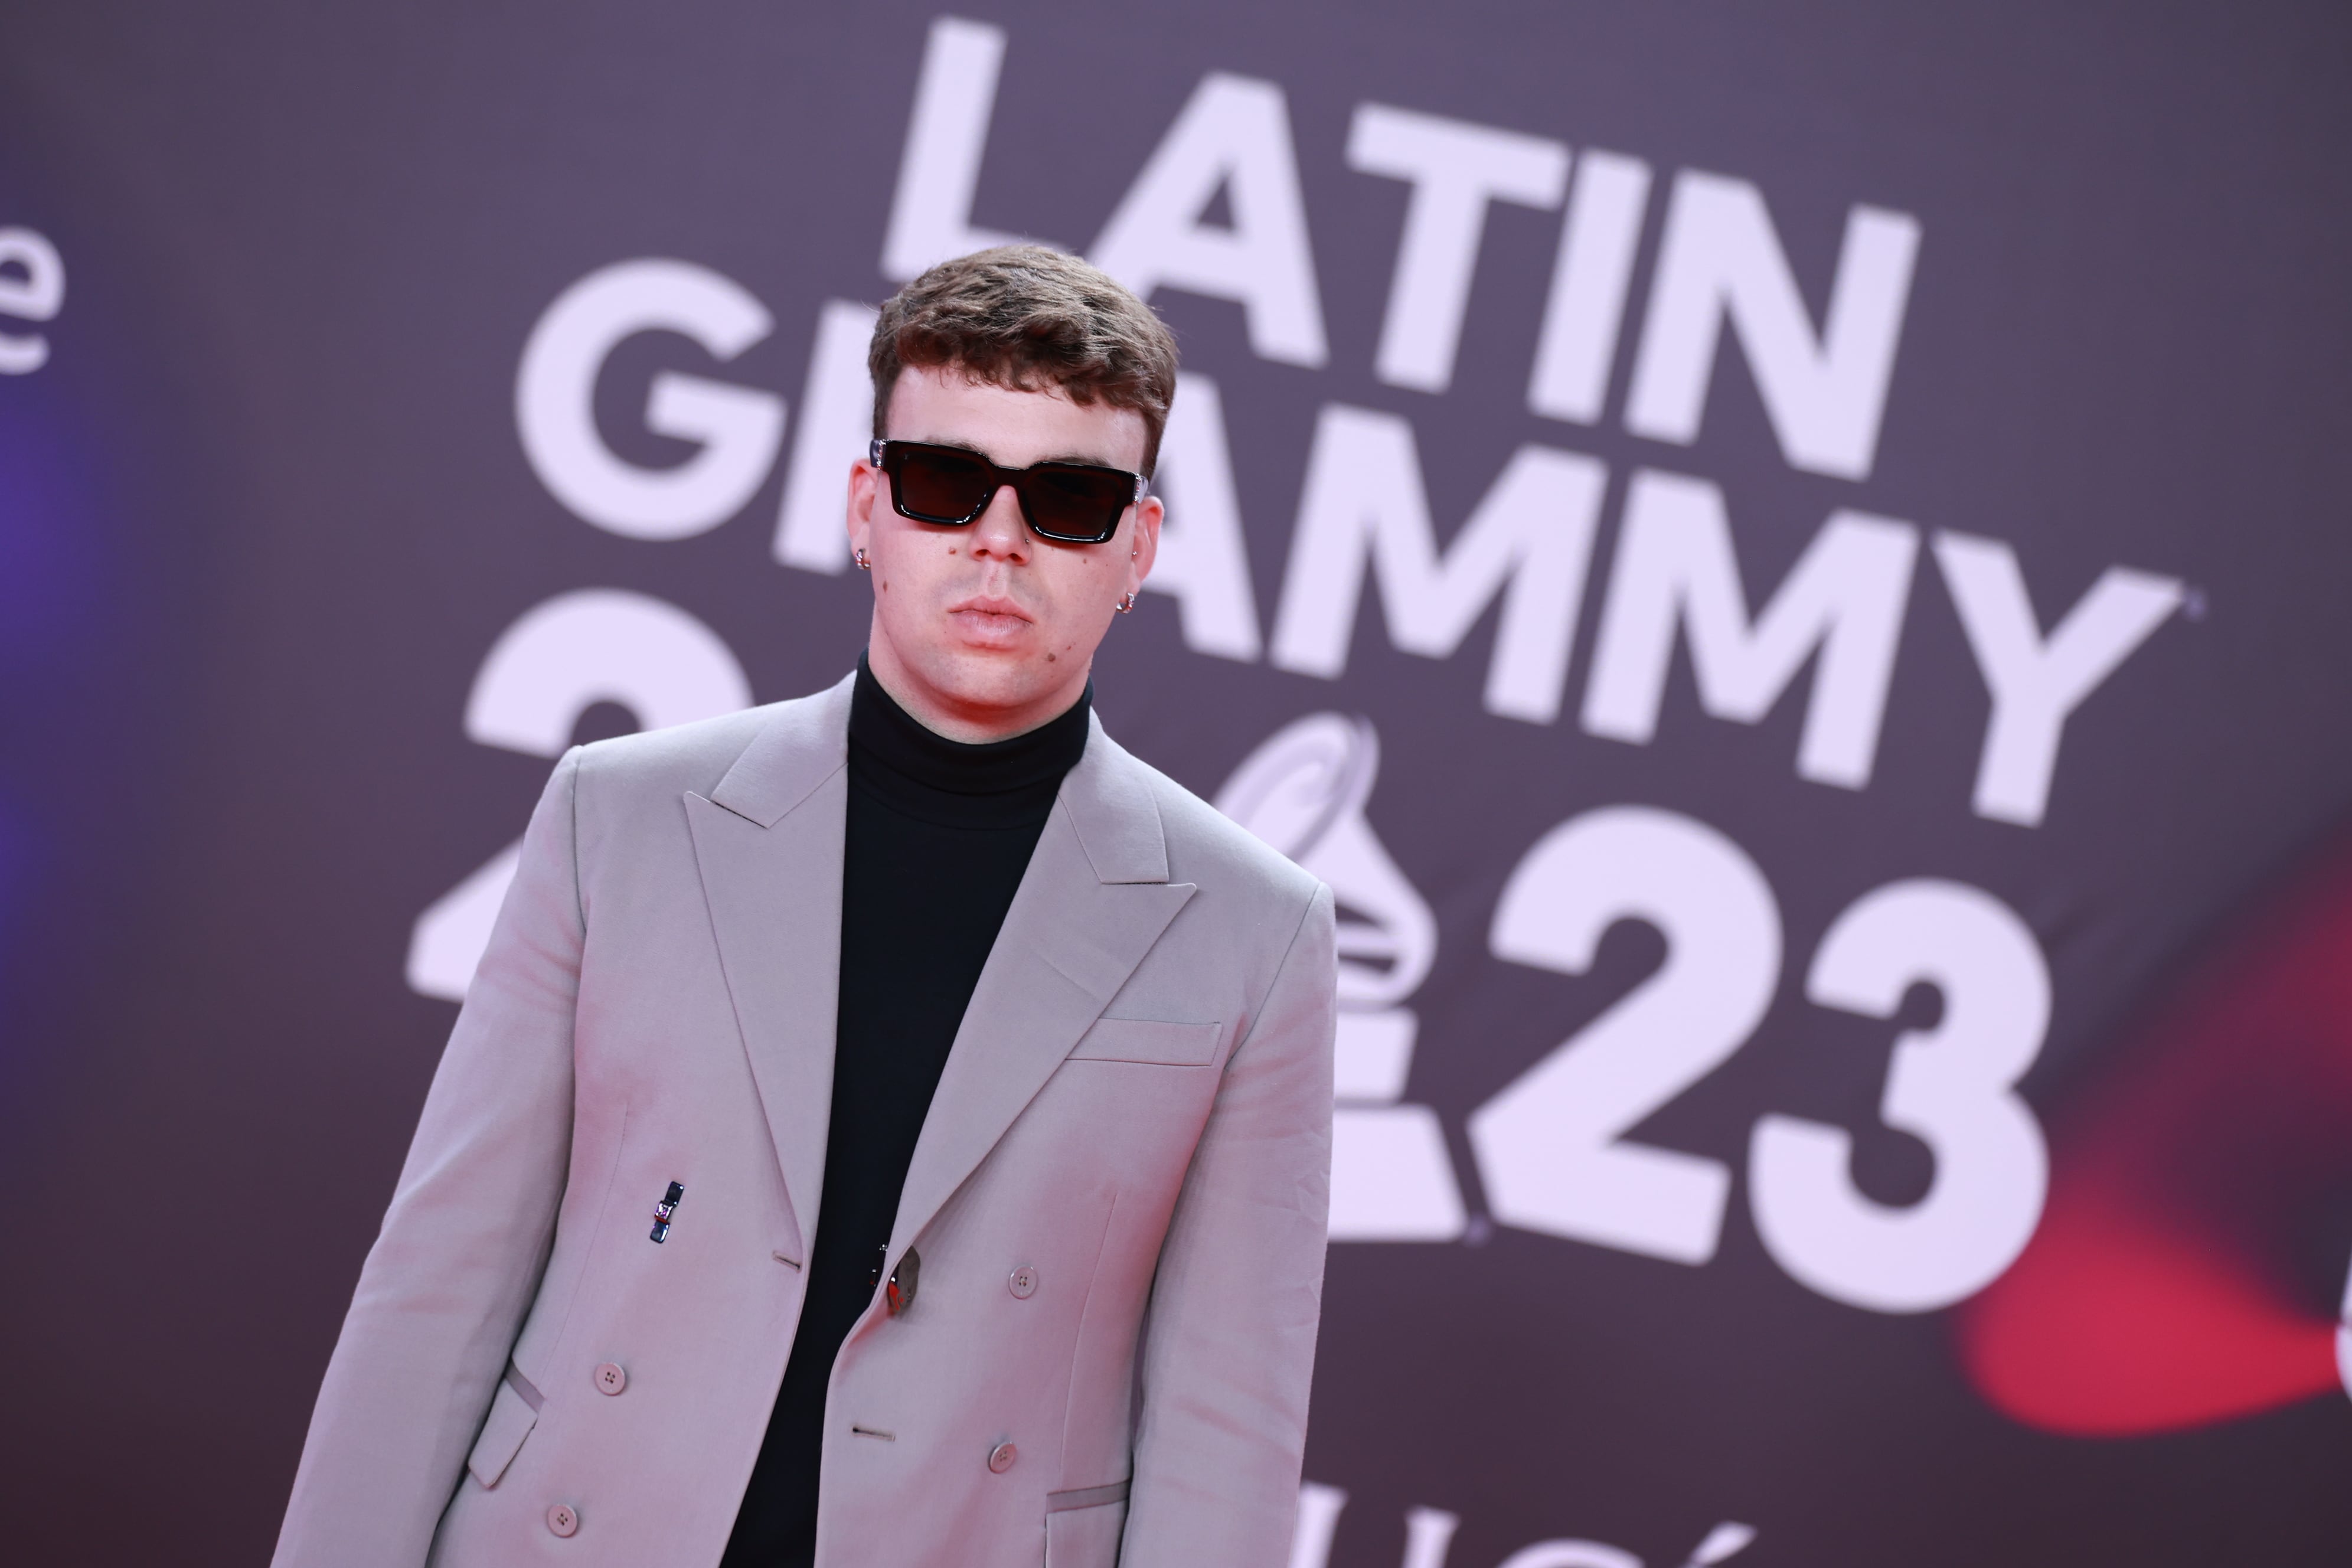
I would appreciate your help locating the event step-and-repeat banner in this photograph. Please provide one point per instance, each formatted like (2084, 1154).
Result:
(1787, 563)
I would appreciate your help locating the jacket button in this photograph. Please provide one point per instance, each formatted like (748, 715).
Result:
(1023, 1283)
(1000, 1459)
(563, 1520)
(610, 1378)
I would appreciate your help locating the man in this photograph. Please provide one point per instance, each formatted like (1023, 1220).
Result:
(890, 1127)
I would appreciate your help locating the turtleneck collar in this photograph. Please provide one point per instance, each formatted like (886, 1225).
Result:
(997, 784)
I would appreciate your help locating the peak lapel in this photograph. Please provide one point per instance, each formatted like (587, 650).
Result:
(1094, 899)
(768, 844)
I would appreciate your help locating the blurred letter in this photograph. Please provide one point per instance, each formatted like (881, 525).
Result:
(1588, 287)
(1845, 598)
(930, 215)
(2036, 683)
(1202, 562)
(1456, 169)
(1720, 257)
(1364, 499)
(1319, 1517)
(555, 400)
(836, 412)
(1234, 134)
(37, 296)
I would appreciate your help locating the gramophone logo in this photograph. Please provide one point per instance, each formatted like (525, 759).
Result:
(1303, 791)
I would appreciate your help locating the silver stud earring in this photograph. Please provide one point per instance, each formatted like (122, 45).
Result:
(1126, 603)
(865, 564)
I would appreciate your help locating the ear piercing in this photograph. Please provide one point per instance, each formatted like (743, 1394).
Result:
(1126, 603)
(864, 561)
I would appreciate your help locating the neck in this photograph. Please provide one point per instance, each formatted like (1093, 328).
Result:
(923, 775)
(971, 720)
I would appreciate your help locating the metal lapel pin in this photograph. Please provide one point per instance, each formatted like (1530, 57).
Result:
(664, 1210)
(899, 1293)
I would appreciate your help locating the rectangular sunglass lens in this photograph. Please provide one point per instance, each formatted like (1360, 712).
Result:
(1076, 503)
(941, 486)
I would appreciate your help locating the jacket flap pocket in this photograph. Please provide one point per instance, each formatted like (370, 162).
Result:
(1148, 1040)
(1085, 1537)
(511, 1419)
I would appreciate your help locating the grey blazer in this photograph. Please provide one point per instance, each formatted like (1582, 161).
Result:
(1118, 1197)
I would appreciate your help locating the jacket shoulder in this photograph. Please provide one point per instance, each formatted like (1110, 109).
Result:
(665, 764)
(1208, 848)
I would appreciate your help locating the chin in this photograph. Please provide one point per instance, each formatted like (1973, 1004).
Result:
(993, 677)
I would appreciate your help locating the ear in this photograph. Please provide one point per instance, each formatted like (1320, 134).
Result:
(864, 486)
(1144, 543)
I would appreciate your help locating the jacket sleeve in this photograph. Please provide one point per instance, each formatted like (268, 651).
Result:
(459, 1260)
(1229, 1341)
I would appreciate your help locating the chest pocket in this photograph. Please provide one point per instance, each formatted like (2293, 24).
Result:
(1148, 1040)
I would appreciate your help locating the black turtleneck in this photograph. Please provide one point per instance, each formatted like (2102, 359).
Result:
(938, 836)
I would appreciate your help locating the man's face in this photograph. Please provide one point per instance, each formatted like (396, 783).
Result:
(987, 630)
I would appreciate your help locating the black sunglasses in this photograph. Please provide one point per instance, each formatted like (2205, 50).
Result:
(1070, 503)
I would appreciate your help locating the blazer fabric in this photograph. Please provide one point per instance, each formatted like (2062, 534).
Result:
(1118, 1197)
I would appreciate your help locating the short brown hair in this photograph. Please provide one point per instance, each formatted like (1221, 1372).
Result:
(1031, 318)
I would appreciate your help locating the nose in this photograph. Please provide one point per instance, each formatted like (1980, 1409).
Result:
(1001, 535)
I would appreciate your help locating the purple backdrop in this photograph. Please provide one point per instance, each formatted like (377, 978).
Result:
(1787, 561)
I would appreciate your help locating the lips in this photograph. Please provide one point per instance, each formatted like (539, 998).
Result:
(990, 618)
(990, 605)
